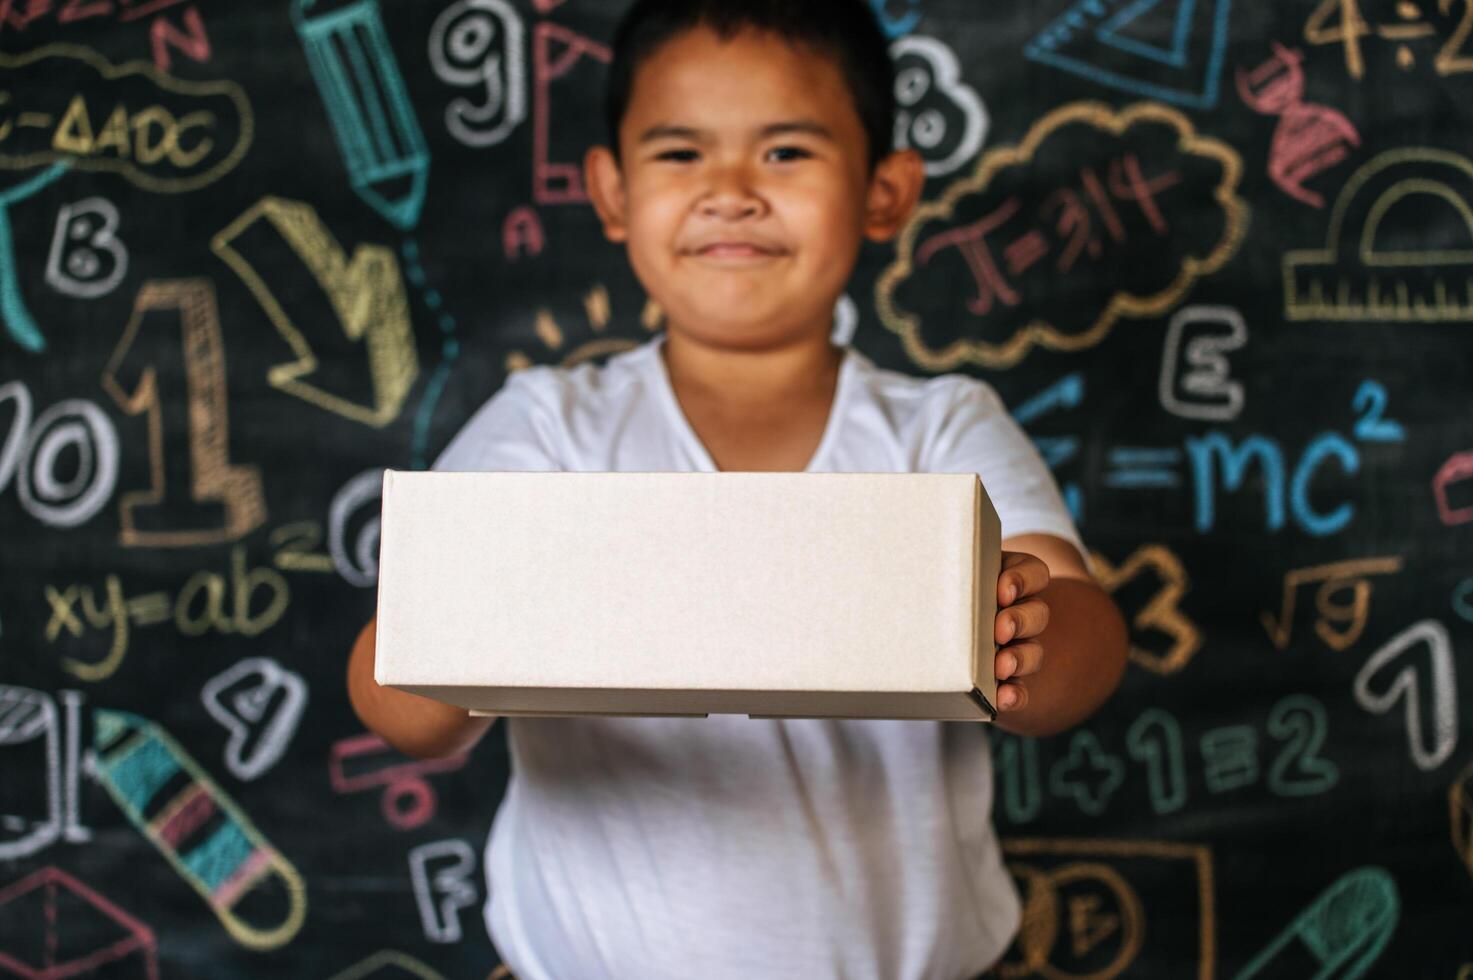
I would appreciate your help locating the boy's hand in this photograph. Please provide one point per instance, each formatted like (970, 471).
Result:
(1019, 621)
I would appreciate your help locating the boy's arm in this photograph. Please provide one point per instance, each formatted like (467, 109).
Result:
(415, 725)
(1071, 640)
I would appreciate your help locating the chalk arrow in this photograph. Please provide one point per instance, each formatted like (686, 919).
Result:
(1416, 680)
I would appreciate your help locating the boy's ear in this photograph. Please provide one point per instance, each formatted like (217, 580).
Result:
(893, 193)
(605, 184)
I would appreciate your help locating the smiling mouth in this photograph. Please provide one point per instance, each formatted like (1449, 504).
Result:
(736, 252)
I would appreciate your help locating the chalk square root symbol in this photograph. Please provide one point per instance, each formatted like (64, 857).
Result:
(1112, 42)
(54, 926)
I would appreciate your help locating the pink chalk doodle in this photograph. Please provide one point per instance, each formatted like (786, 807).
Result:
(53, 927)
(1310, 138)
(408, 801)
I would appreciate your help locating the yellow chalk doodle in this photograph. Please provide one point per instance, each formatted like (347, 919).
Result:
(366, 292)
(1028, 250)
(181, 136)
(1358, 276)
(224, 860)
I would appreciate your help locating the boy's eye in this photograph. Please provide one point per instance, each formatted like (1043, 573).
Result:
(679, 156)
(790, 153)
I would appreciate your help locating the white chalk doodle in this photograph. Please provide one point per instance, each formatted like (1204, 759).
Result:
(443, 891)
(478, 43)
(1434, 683)
(260, 704)
(87, 259)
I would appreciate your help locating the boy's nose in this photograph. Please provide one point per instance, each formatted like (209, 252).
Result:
(730, 196)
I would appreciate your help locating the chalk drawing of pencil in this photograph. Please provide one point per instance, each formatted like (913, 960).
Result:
(368, 106)
(1338, 936)
(198, 829)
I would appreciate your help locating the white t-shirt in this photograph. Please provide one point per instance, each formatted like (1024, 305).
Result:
(735, 847)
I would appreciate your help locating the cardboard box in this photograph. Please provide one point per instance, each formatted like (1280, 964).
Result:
(841, 595)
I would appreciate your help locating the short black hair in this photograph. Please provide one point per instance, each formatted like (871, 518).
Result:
(845, 30)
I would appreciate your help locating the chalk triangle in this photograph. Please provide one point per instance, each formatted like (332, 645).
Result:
(1133, 29)
(1172, 50)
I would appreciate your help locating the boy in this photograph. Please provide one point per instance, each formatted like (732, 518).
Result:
(749, 154)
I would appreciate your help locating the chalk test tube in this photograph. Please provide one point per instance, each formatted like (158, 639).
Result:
(1339, 935)
(195, 826)
(368, 106)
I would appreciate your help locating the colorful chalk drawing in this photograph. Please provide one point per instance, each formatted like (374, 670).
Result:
(1063, 395)
(1462, 600)
(1214, 454)
(598, 314)
(1343, 23)
(1341, 933)
(258, 597)
(35, 736)
(357, 565)
(894, 25)
(1309, 138)
(260, 704)
(1373, 426)
(196, 496)
(1361, 276)
(391, 962)
(86, 232)
(441, 874)
(1229, 757)
(70, 910)
(522, 234)
(180, 137)
(1460, 816)
(1455, 471)
(1196, 377)
(1114, 43)
(1154, 740)
(18, 321)
(937, 112)
(365, 762)
(295, 545)
(1091, 776)
(224, 860)
(478, 44)
(1300, 721)
(1413, 682)
(32, 449)
(556, 54)
(366, 293)
(1161, 613)
(1088, 775)
(1084, 917)
(449, 350)
(368, 106)
(188, 35)
(1119, 190)
(1352, 575)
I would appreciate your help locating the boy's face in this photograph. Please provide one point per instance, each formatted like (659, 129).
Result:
(745, 191)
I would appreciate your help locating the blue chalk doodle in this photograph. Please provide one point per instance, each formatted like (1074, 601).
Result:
(1088, 40)
(894, 27)
(1344, 930)
(18, 321)
(1064, 394)
(1089, 775)
(1370, 399)
(368, 106)
(1181, 33)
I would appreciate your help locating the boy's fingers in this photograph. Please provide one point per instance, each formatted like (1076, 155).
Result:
(1018, 660)
(1022, 575)
(1021, 621)
(1011, 696)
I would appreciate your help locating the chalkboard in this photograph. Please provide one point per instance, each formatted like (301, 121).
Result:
(1216, 257)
